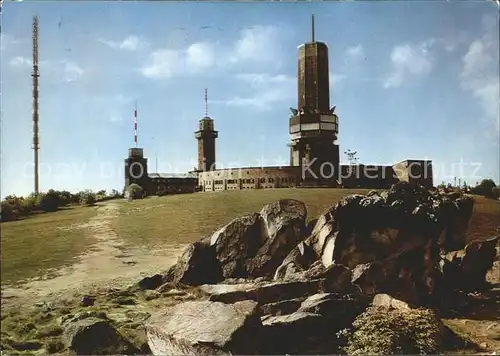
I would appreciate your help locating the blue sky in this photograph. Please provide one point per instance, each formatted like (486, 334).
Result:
(410, 80)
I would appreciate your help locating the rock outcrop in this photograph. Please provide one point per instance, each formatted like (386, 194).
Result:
(294, 287)
(252, 246)
(205, 328)
(95, 336)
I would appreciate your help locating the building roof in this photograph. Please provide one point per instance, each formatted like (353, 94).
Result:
(172, 175)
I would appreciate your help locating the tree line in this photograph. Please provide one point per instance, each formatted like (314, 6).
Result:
(486, 188)
(14, 207)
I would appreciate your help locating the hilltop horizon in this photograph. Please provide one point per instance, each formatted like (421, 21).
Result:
(402, 90)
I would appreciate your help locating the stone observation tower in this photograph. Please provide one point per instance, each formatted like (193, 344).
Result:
(206, 136)
(313, 125)
(136, 167)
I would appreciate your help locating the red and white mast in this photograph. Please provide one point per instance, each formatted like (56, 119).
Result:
(135, 125)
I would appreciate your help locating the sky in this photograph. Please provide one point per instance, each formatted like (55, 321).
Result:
(411, 80)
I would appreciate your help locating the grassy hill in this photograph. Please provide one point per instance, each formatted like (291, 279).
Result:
(33, 246)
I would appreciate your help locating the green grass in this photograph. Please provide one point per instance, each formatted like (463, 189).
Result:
(32, 246)
(181, 219)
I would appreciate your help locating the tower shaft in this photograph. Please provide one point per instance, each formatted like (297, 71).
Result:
(206, 136)
(35, 74)
(313, 77)
(314, 126)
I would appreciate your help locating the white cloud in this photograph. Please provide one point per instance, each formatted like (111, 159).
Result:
(268, 89)
(480, 74)
(8, 41)
(166, 63)
(200, 56)
(163, 63)
(72, 72)
(130, 43)
(116, 118)
(336, 78)
(258, 44)
(356, 51)
(69, 71)
(20, 62)
(408, 60)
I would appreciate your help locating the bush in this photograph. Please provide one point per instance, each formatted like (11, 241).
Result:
(485, 188)
(65, 198)
(50, 201)
(392, 331)
(7, 212)
(90, 199)
(87, 197)
(135, 191)
(115, 194)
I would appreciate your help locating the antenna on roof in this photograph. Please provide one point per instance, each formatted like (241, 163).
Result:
(206, 102)
(312, 27)
(135, 124)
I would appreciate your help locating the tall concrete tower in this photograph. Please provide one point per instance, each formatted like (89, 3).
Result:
(313, 125)
(206, 136)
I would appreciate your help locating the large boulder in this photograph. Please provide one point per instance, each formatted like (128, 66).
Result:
(300, 259)
(386, 301)
(236, 242)
(412, 276)
(466, 269)
(95, 336)
(337, 278)
(297, 333)
(197, 265)
(454, 214)
(340, 309)
(282, 307)
(263, 293)
(205, 328)
(252, 245)
(284, 223)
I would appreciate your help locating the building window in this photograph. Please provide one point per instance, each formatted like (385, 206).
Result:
(270, 180)
(263, 180)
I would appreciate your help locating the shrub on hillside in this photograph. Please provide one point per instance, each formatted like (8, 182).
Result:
(7, 212)
(485, 188)
(115, 194)
(89, 199)
(32, 202)
(50, 201)
(392, 331)
(65, 198)
(135, 191)
(17, 205)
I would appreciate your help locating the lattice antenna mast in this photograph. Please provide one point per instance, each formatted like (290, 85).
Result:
(206, 102)
(35, 74)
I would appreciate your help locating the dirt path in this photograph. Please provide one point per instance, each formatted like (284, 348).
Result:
(109, 262)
